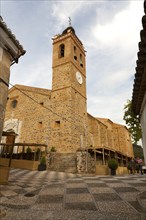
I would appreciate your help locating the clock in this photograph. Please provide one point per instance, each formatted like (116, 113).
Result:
(79, 77)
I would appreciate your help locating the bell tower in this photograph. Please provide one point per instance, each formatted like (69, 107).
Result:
(68, 97)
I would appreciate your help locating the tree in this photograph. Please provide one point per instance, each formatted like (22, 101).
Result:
(138, 151)
(132, 122)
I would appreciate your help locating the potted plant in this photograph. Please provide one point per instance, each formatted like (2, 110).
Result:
(38, 154)
(28, 153)
(52, 149)
(113, 165)
(42, 166)
(129, 167)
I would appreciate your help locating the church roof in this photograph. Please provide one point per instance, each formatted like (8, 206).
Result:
(120, 126)
(30, 89)
(96, 119)
(70, 29)
(104, 120)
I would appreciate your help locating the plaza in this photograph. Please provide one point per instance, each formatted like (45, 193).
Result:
(50, 195)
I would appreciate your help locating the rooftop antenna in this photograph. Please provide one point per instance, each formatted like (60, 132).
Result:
(69, 20)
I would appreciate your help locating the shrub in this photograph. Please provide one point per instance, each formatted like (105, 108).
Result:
(113, 164)
(129, 166)
(42, 166)
(28, 153)
(43, 160)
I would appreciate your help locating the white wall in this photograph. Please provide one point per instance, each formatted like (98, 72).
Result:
(1, 54)
(143, 125)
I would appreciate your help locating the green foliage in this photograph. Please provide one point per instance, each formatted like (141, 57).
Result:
(129, 166)
(132, 122)
(43, 160)
(28, 153)
(113, 164)
(138, 151)
(53, 149)
(28, 150)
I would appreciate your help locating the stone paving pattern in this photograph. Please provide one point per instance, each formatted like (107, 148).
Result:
(48, 195)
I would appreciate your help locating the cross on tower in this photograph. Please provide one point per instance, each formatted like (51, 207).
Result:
(69, 21)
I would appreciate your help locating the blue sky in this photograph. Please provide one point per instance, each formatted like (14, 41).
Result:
(109, 30)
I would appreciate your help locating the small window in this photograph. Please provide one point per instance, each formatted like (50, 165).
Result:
(40, 124)
(41, 103)
(61, 50)
(57, 124)
(14, 103)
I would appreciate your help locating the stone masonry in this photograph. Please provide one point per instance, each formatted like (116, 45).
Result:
(59, 117)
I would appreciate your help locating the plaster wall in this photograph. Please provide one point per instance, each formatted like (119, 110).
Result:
(4, 75)
(143, 126)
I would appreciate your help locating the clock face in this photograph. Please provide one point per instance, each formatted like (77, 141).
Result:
(79, 77)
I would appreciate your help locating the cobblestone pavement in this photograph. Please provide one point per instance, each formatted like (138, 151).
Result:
(48, 195)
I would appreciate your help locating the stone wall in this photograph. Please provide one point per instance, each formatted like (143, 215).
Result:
(33, 118)
(79, 162)
(116, 137)
(62, 162)
(67, 124)
(68, 96)
(36, 124)
(85, 162)
(93, 132)
(122, 140)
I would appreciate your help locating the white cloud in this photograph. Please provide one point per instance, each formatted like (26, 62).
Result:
(115, 79)
(38, 73)
(108, 106)
(123, 30)
(64, 9)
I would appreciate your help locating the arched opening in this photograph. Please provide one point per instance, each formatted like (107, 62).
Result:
(81, 60)
(75, 53)
(61, 50)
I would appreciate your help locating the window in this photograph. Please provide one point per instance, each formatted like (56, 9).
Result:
(40, 124)
(14, 103)
(75, 53)
(81, 62)
(57, 124)
(61, 50)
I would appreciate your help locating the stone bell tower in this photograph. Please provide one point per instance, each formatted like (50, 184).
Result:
(68, 97)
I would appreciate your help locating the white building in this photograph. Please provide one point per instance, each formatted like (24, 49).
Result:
(139, 88)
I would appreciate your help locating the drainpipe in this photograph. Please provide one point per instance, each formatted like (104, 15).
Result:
(86, 149)
(86, 161)
(103, 156)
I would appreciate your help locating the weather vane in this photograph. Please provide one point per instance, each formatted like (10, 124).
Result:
(69, 20)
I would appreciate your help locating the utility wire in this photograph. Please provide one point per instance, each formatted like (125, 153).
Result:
(43, 105)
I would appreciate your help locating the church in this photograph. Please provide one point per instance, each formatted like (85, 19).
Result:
(59, 117)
